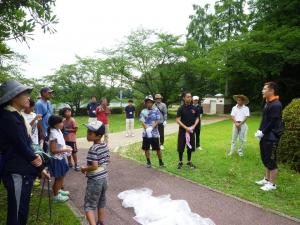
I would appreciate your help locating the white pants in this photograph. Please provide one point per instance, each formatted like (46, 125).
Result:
(241, 133)
(129, 126)
(106, 133)
(92, 119)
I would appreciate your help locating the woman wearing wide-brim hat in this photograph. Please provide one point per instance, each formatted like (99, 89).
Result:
(239, 114)
(18, 164)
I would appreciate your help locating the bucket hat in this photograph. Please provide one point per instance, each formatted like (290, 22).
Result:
(96, 126)
(243, 97)
(157, 96)
(149, 97)
(10, 89)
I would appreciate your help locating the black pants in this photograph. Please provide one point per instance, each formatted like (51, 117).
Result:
(197, 133)
(18, 197)
(268, 153)
(161, 130)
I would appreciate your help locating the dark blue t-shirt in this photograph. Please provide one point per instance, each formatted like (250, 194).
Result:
(130, 109)
(91, 107)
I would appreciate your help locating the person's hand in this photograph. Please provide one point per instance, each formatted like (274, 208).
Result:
(165, 123)
(82, 169)
(259, 134)
(67, 148)
(37, 161)
(149, 132)
(38, 117)
(189, 129)
(45, 174)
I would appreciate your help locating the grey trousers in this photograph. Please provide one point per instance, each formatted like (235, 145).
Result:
(241, 134)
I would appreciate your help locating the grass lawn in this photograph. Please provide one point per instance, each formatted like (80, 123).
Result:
(116, 123)
(61, 214)
(233, 175)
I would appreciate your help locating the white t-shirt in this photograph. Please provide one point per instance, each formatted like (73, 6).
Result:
(56, 134)
(34, 130)
(240, 113)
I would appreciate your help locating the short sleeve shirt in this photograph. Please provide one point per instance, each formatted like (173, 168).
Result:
(34, 131)
(188, 115)
(102, 114)
(150, 116)
(56, 134)
(70, 124)
(240, 113)
(46, 110)
(129, 111)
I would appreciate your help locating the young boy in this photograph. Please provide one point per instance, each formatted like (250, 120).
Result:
(129, 109)
(70, 129)
(96, 172)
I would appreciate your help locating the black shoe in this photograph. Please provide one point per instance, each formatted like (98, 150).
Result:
(162, 165)
(149, 165)
(191, 165)
(179, 166)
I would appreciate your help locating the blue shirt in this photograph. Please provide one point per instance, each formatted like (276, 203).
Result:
(150, 116)
(130, 109)
(46, 110)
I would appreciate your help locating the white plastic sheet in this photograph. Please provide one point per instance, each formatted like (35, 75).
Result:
(161, 210)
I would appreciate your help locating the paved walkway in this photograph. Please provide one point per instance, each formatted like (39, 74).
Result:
(126, 174)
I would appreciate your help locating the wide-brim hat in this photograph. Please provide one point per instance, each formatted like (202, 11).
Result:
(243, 97)
(10, 89)
(149, 97)
(158, 96)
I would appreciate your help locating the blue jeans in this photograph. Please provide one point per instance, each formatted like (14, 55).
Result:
(18, 197)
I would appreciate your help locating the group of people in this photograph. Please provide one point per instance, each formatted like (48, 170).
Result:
(26, 125)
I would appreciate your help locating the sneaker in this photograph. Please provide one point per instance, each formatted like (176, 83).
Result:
(262, 182)
(230, 153)
(241, 154)
(162, 165)
(77, 167)
(149, 165)
(132, 135)
(64, 193)
(268, 187)
(37, 182)
(179, 166)
(60, 198)
(162, 147)
(191, 165)
(70, 165)
(199, 148)
(126, 135)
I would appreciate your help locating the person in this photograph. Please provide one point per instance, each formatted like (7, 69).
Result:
(44, 107)
(129, 110)
(19, 165)
(91, 109)
(33, 119)
(269, 132)
(102, 112)
(187, 117)
(198, 127)
(70, 129)
(59, 150)
(96, 173)
(149, 118)
(162, 108)
(239, 114)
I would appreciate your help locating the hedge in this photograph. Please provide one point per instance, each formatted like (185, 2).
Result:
(289, 145)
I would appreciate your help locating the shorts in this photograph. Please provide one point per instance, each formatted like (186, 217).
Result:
(182, 143)
(268, 153)
(73, 145)
(154, 142)
(95, 197)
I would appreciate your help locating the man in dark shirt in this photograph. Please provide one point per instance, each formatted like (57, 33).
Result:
(198, 127)
(268, 134)
(91, 109)
(187, 117)
(129, 110)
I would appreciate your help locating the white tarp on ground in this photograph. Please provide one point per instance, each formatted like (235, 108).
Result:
(161, 210)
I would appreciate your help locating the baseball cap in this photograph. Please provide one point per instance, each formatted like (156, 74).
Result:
(149, 97)
(195, 97)
(46, 89)
(96, 126)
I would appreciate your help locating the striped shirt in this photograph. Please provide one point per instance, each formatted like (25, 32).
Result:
(100, 154)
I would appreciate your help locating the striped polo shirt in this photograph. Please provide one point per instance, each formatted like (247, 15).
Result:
(100, 154)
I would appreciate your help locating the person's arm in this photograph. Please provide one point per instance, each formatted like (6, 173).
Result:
(55, 150)
(39, 109)
(88, 108)
(165, 110)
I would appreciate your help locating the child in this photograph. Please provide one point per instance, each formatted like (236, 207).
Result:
(70, 129)
(129, 109)
(96, 172)
(58, 164)
(102, 113)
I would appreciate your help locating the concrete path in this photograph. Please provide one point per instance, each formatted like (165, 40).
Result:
(126, 174)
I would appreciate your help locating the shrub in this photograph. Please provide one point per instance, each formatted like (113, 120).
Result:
(117, 110)
(289, 145)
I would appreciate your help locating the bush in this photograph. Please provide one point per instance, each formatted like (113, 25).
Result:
(80, 112)
(289, 145)
(117, 110)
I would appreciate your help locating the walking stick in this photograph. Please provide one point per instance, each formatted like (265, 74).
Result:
(40, 200)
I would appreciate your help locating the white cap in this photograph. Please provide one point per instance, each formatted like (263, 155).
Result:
(96, 126)
(195, 97)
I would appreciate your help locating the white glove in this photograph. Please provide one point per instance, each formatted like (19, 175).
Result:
(165, 123)
(149, 132)
(259, 134)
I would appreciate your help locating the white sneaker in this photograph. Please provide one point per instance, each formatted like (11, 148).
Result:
(127, 135)
(241, 154)
(162, 147)
(132, 135)
(199, 148)
(262, 182)
(268, 187)
(230, 153)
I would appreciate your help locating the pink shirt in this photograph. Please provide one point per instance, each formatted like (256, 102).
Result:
(70, 124)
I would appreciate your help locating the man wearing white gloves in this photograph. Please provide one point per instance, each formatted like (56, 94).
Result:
(150, 118)
(270, 130)
(162, 108)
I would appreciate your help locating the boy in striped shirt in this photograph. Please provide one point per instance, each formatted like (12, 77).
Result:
(96, 172)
